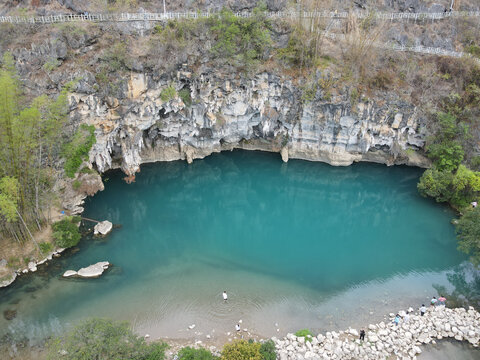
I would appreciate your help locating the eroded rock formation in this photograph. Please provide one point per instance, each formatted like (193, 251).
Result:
(266, 112)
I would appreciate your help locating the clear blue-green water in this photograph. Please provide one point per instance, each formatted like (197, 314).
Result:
(295, 245)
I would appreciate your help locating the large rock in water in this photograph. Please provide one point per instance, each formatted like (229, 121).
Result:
(102, 228)
(94, 270)
(70, 273)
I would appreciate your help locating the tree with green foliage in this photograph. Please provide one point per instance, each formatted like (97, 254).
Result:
(104, 339)
(468, 233)
(459, 188)
(242, 350)
(29, 136)
(66, 232)
(9, 198)
(189, 353)
(448, 180)
(444, 147)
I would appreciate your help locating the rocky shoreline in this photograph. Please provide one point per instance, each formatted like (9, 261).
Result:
(31, 267)
(386, 340)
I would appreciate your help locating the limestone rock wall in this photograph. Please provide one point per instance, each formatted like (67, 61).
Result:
(265, 112)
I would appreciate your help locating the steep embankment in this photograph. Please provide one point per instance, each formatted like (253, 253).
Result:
(265, 112)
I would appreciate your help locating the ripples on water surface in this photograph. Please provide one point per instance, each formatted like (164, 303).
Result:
(300, 244)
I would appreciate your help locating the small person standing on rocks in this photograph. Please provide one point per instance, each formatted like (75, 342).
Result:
(362, 335)
(397, 319)
(433, 302)
(406, 317)
(441, 300)
(423, 310)
(225, 296)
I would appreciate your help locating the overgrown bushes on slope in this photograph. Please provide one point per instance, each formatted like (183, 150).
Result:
(77, 150)
(103, 339)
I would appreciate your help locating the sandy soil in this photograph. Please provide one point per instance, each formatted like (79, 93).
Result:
(19, 254)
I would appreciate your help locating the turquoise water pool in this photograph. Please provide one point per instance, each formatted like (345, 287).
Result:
(295, 245)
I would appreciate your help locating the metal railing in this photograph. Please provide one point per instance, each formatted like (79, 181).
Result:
(119, 17)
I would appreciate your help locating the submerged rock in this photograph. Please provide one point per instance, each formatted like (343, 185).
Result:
(9, 314)
(102, 228)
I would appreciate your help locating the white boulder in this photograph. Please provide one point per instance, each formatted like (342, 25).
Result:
(9, 280)
(32, 266)
(94, 270)
(69, 273)
(102, 228)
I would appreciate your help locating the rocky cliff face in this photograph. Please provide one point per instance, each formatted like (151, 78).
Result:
(265, 112)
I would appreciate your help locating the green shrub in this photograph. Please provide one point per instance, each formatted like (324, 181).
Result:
(240, 41)
(241, 350)
(188, 353)
(185, 96)
(459, 188)
(76, 151)
(51, 65)
(76, 184)
(475, 162)
(473, 50)
(66, 233)
(446, 155)
(468, 233)
(297, 53)
(307, 334)
(103, 340)
(86, 170)
(267, 350)
(116, 57)
(382, 80)
(45, 247)
(444, 148)
(168, 93)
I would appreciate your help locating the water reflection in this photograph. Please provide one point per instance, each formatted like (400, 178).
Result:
(464, 289)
